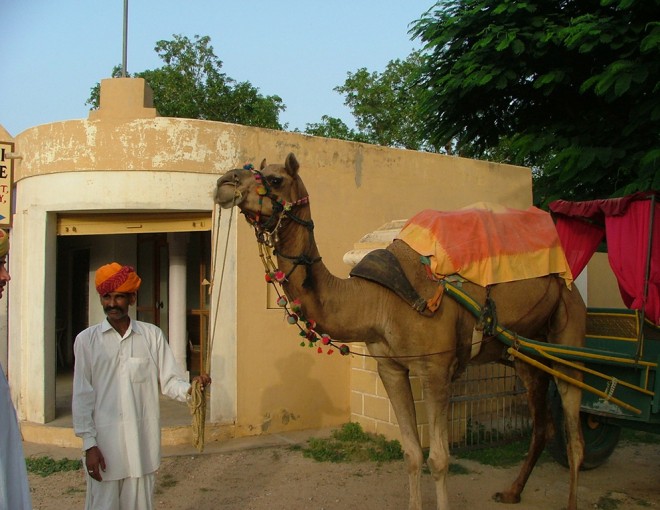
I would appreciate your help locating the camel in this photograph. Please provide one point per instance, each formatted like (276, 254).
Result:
(404, 341)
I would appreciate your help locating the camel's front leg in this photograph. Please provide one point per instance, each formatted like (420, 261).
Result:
(437, 383)
(397, 384)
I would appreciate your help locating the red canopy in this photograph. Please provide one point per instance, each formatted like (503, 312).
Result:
(633, 243)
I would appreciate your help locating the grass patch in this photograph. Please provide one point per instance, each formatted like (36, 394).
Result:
(607, 503)
(350, 443)
(633, 436)
(458, 469)
(610, 502)
(74, 490)
(167, 481)
(46, 466)
(507, 455)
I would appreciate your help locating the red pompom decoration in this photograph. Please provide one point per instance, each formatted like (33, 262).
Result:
(325, 339)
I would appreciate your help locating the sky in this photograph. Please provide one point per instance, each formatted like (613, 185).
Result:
(55, 51)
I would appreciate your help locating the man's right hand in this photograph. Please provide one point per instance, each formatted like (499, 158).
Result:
(95, 463)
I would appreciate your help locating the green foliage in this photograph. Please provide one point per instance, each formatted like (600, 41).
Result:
(351, 444)
(45, 466)
(191, 85)
(568, 88)
(385, 106)
(506, 455)
(332, 127)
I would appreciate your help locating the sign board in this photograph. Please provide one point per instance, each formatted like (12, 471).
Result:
(6, 182)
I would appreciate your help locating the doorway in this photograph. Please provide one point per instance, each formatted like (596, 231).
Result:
(88, 241)
(153, 263)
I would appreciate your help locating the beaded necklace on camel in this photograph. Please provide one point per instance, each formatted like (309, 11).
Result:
(267, 236)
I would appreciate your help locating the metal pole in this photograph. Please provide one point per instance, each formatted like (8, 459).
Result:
(647, 275)
(125, 40)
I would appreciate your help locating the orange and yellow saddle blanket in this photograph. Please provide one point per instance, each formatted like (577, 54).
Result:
(488, 243)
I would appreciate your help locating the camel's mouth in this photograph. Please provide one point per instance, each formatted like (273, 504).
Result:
(227, 195)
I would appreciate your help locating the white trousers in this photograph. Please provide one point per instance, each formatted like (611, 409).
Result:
(125, 494)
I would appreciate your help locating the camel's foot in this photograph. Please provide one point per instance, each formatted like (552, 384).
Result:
(506, 497)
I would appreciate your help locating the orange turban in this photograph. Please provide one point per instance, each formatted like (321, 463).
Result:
(114, 277)
(4, 242)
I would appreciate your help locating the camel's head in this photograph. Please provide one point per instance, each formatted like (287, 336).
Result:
(262, 194)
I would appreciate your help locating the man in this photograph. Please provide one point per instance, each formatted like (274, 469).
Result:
(118, 366)
(14, 490)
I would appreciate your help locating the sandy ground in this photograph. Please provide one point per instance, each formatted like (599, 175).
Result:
(280, 478)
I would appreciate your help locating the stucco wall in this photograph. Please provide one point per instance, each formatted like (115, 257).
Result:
(603, 288)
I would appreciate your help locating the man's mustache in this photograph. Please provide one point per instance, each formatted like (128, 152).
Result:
(111, 309)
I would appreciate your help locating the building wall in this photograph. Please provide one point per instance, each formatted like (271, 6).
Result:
(127, 159)
(603, 288)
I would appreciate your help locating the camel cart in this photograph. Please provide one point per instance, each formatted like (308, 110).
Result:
(621, 386)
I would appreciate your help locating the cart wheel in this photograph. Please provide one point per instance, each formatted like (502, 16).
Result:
(600, 438)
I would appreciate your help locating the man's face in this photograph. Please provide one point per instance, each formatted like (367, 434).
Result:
(115, 305)
(4, 274)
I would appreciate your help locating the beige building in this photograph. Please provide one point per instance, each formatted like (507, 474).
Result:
(130, 186)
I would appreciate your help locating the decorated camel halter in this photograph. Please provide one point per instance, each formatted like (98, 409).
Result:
(267, 236)
(281, 209)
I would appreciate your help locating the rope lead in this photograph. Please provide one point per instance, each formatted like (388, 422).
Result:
(197, 401)
(197, 406)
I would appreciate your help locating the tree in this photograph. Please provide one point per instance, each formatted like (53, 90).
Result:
(332, 127)
(385, 106)
(569, 88)
(190, 85)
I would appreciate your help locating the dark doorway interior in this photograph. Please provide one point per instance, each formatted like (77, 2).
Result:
(72, 309)
(153, 264)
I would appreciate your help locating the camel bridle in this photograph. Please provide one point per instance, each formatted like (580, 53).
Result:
(281, 208)
(267, 231)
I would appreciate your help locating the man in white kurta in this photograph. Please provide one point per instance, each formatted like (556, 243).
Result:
(118, 367)
(14, 489)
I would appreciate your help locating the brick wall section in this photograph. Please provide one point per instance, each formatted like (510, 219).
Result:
(370, 406)
(486, 406)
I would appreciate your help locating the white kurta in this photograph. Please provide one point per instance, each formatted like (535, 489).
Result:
(115, 395)
(14, 490)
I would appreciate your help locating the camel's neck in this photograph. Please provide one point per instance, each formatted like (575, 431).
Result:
(308, 279)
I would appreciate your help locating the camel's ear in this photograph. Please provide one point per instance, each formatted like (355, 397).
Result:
(291, 164)
(263, 164)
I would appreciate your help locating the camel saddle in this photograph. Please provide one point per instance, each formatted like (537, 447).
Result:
(382, 267)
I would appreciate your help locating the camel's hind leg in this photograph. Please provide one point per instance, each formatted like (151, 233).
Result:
(569, 327)
(397, 384)
(536, 383)
(571, 398)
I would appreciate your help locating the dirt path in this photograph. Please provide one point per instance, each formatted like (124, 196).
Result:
(279, 478)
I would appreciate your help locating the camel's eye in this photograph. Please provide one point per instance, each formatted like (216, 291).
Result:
(275, 181)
